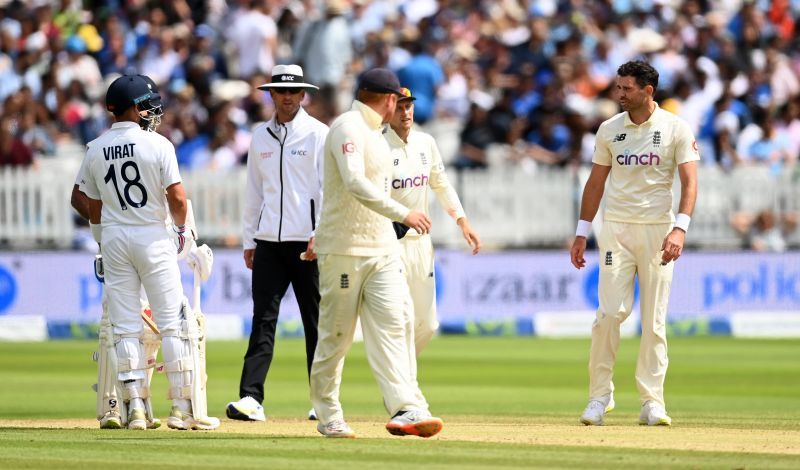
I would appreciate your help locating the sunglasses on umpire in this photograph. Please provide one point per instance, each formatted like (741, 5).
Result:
(291, 91)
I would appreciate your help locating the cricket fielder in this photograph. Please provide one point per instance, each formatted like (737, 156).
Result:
(418, 165)
(361, 274)
(640, 148)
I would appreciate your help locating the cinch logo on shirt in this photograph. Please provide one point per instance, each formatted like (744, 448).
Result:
(415, 182)
(643, 159)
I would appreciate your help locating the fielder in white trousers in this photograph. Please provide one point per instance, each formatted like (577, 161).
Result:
(375, 290)
(417, 256)
(629, 250)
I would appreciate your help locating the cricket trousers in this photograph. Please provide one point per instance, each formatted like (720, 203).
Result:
(417, 256)
(136, 256)
(275, 266)
(374, 289)
(626, 251)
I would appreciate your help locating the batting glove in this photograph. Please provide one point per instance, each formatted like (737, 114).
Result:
(99, 272)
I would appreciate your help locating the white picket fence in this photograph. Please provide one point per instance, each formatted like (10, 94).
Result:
(508, 206)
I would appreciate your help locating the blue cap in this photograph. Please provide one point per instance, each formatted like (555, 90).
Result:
(75, 44)
(127, 91)
(380, 80)
(204, 31)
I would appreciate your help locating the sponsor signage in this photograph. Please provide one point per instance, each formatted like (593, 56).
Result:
(489, 286)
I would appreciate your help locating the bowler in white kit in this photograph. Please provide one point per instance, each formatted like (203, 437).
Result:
(638, 151)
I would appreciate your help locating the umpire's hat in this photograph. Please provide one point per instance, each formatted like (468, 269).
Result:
(127, 91)
(287, 76)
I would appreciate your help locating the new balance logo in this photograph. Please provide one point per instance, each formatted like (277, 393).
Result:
(344, 281)
(656, 138)
(619, 138)
(609, 261)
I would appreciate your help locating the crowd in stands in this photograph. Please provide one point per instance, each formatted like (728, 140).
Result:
(535, 76)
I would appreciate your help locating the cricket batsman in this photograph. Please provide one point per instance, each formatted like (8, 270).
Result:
(638, 152)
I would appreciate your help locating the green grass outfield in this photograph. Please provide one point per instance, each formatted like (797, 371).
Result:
(506, 402)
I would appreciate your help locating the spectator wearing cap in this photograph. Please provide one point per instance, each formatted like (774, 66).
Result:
(361, 273)
(75, 64)
(283, 202)
(417, 166)
(424, 75)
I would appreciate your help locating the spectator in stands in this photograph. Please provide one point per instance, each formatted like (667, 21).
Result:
(13, 152)
(192, 150)
(424, 75)
(254, 35)
(477, 135)
(324, 50)
(765, 233)
(75, 64)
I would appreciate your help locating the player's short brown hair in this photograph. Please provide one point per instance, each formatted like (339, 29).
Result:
(644, 73)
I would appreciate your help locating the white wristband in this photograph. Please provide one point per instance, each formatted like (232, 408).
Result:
(682, 222)
(584, 229)
(97, 231)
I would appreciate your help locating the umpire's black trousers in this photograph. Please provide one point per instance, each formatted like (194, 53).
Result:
(275, 266)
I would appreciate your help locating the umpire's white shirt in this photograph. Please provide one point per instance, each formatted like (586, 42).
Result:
(129, 169)
(283, 197)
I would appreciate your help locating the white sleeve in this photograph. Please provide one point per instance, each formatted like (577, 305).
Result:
(602, 154)
(253, 198)
(88, 184)
(440, 184)
(320, 153)
(81, 171)
(169, 166)
(347, 145)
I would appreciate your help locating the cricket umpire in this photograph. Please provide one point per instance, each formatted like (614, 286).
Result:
(283, 201)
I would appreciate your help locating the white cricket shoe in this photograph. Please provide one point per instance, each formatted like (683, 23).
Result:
(111, 420)
(336, 428)
(246, 409)
(137, 419)
(312, 414)
(654, 414)
(183, 420)
(596, 410)
(414, 423)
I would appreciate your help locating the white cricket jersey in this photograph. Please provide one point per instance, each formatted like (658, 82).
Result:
(643, 159)
(358, 208)
(283, 197)
(129, 169)
(417, 165)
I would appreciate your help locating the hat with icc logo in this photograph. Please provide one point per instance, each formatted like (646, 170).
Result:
(127, 91)
(287, 76)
